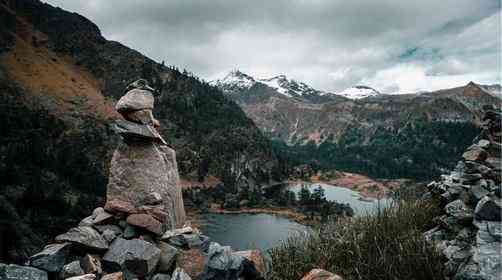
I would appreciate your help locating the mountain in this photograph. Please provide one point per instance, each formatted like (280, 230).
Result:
(359, 92)
(238, 85)
(59, 81)
(382, 136)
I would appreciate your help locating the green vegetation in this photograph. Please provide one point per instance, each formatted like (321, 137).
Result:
(386, 245)
(421, 150)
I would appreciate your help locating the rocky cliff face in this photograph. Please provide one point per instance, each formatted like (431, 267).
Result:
(470, 232)
(369, 134)
(59, 79)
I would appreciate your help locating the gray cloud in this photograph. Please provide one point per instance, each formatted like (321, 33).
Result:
(329, 44)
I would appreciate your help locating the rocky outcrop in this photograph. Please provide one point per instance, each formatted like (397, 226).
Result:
(86, 252)
(143, 170)
(469, 234)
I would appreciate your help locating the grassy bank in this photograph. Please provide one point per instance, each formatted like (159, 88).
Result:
(387, 245)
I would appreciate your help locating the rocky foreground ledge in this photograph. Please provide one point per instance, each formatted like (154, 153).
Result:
(121, 242)
(469, 233)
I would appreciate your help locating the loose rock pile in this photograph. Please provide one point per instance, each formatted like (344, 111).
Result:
(470, 232)
(113, 244)
(141, 231)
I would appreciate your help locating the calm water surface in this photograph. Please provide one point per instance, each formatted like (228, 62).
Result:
(344, 195)
(264, 231)
(244, 231)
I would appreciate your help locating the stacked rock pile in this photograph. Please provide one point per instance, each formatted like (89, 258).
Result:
(469, 233)
(121, 242)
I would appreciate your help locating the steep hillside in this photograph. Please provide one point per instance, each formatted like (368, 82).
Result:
(59, 79)
(377, 134)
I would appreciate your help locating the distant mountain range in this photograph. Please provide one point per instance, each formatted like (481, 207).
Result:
(238, 82)
(356, 133)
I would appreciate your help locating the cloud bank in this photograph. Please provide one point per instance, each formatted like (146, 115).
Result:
(394, 46)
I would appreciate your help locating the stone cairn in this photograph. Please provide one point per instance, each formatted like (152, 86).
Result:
(469, 233)
(141, 232)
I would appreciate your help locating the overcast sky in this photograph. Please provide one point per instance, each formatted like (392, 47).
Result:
(391, 45)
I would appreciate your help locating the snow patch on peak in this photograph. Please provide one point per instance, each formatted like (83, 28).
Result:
(234, 82)
(359, 92)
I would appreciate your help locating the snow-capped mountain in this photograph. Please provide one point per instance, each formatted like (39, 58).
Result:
(359, 92)
(237, 82)
(290, 87)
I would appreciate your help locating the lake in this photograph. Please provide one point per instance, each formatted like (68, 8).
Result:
(264, 231)
(245, 231)
(344, 195)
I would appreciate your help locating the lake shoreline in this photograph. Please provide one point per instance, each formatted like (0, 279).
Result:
(284, 212)
(368, 189)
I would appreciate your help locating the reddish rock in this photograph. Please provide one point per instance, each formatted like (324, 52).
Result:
(254, 256)
(113, 276)
(119, 206)
(155, 212)
(191, 261)
(320, 274)
(145, 221)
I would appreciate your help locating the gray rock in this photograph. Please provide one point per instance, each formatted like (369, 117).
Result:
(137, 256)
(84, 236)
(161, 277)
(170, 233)
(102, 228)
(476, 193)
(138, 169)
(135, 100)
(99, 215)
(52, 258)
(109, 235)
(461, 212)
(471, 178)
(189, 240)
(489, 208)
(435, 234)
(71, 269)
(487, 256)
(167, 257)
(17, 272)
(131, 130)
(180, 274)
(130, 232)
(475, 153)
(221, 258)
(456, 253)
(83, 277)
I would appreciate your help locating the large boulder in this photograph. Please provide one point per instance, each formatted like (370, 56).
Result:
(85, 237)
(17, 272)
(52, 258)
(140, 168)
(137, 256)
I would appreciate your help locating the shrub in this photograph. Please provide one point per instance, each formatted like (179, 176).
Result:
(385, 245)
